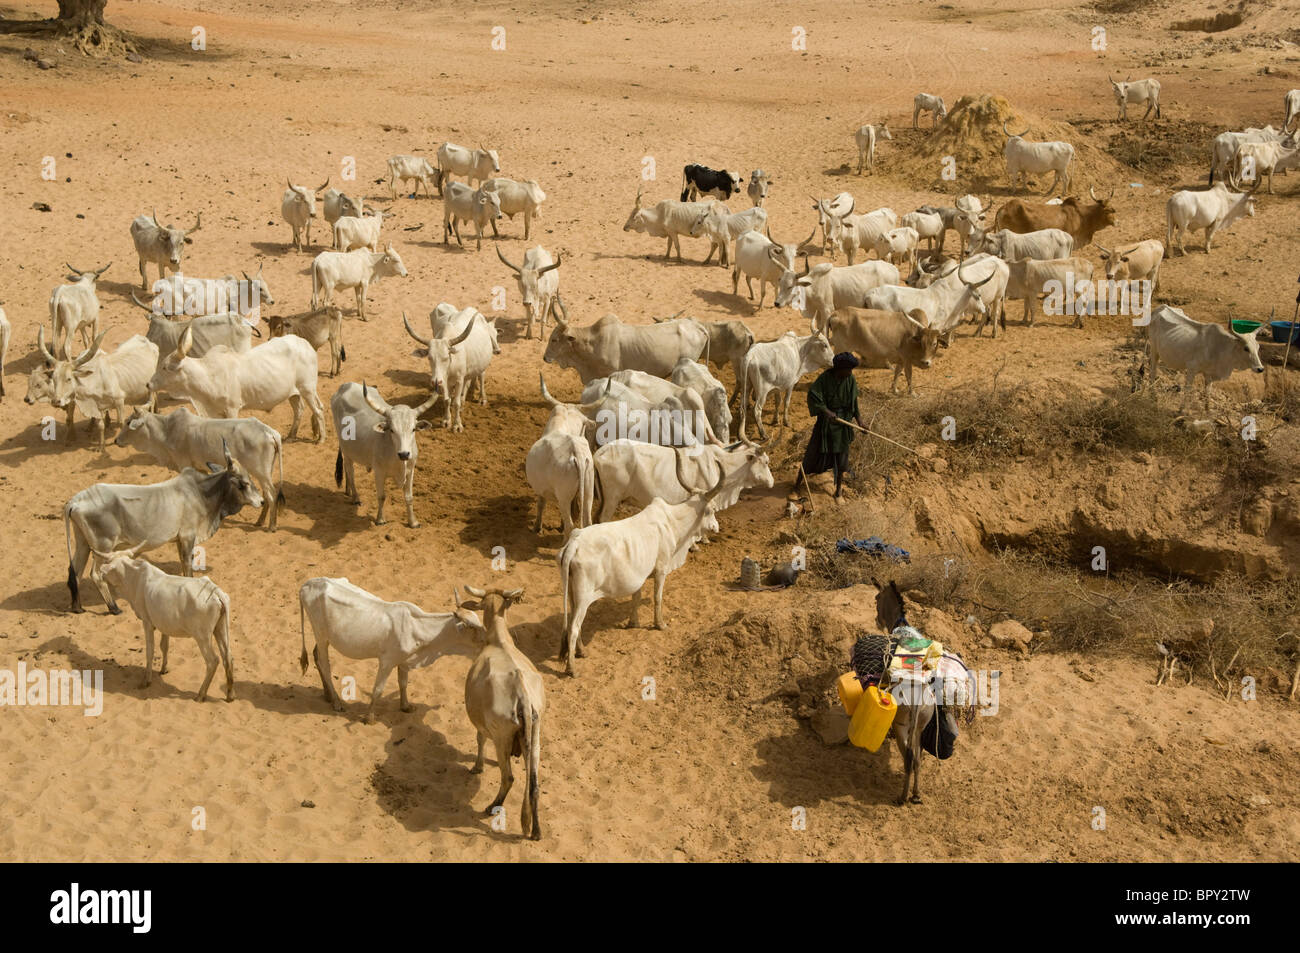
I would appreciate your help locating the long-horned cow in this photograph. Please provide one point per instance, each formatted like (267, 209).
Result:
(609, 345)
(74, 309)
(1142, 92)
(381, 437)
(1213, 210)
(1210, 350)
(539, 284)
(298, 208)
(1037, 158)
(777, 366)
(96, 383)
(332, 271)
(160, 245)
(642, 472)
(865, 139)
(477, 165)
(459, 351)
(559, 465)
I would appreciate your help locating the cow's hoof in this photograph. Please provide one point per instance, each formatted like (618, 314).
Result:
(414, 524)
(915, 799)
(77, 609)
(114, 610)
(661, 625)
(230, 696)
(408, 707)
(380, 522)
(336, 706)
(368, 719)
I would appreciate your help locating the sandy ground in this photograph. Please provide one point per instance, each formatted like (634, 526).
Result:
(578, 98)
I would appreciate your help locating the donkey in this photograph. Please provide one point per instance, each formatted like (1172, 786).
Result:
(916, 702)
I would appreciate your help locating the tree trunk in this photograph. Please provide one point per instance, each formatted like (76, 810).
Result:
(82, 13)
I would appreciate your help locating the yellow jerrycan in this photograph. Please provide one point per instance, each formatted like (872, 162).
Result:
(872, 719)
(850, 691)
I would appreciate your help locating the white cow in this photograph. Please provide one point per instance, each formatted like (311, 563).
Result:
(381, 437)
(298, 208)
(464, 204)
(459, 351)
(695, 376)
(1142, 92)
(927, 225)
(1213, 210)
(1029, 280)
(338, 204)
(866, 138)
(1210, 350)
(827, 288)
(862, 232)
(759, 183)
(925, 102)
(333, 270)
(1292, 104)
(614, 560)
(477, 165)
(830, 213)
(182, 439)
(74, 309)
(559, 465)
(641, 472)
(358, 232)
(1135, 262)
(1258, 159)
(360, 625)
(5, 330)
(539, 285)
(610, 345)
(762, 258)
(517, 198)
(175, 606)
(183, 296)
(1042, 244)
(898, 246)
(669, 219)
(1037, 158)
(947, 299)
(723, 227)
(413, 168)
(96, 383)
(777, 366)
(505, 701)
(1223, 151)
(221, 383)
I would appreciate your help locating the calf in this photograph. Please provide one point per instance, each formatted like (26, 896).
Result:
(187, 509)
(722, 228)
(898, 246)
(777, 366)
(700, 180)
(222, 383)
(1137, 262)
(332, 270)
(1142, 92)
(318, 328)
(927, 103)
(381, 437)
(865, 139)
(614, 560)
(505, 700)
(182, 439)
(463, 204)
(360, 625)
(759, 183)
(889, 337)
(928, 225)
(159, 245)
(1210, 350)
(175, 606)
(338, 204)
(413, 168)
(517, 198)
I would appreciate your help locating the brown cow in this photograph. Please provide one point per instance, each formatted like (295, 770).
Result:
(1079, 220)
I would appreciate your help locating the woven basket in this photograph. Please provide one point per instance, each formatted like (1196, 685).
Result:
(750, 574)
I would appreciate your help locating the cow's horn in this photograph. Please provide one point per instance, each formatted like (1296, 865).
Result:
(561, 322)
(1092, 195)
(550, 267)
(140, 303)
(476, 593)
(505, 261)
(681, 476)
(469, 326)
(976, 284)
(91, 351)
(225, 448)
(427, 404)
(546, 394)
(908, 315)
(40, 343)
(186, 341)
(154, 213)
(717, 486)
(322, 188)
(806, 267)
(806, 241)
(198, 222)
(411, 331)
(75, 271)
(365, 392)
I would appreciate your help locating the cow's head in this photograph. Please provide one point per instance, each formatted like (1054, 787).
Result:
(110, 569)
(170, 240)
(1245, 351)
(489, 204)
(1120, 90)
(259, 292)
(705, 498)
(636, 222)
(562, 346)
(971, 297)
(1013, 136)
(493, 603)
(1101, 214)
(817, 351)
(736, 181)
(757, 468)
(237, 490)
(789, 280)
(441, 353)
(925, 339)
(883, 132)
(344, 204)
(303, 199)
(136, 427)
(390, 263)
(173, 369)
(527, 277)
(399, 423)
(486, 156)
(759, 183)
(64, 374)
(40, 384)
(86, 276)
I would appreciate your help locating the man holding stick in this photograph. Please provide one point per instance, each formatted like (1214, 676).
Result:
(833, 400)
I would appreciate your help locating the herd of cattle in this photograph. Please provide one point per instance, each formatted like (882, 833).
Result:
(653, 427)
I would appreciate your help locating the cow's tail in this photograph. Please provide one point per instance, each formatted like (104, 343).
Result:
(343, 352)
(338, 468)
(222, 635)
(67, 535)
(743, 374)
(566, 557)
(279, 460)
(315, 287)
(531, 736)
(302, 631)
(586, 488)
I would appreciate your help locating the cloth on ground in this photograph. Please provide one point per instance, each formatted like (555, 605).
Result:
(874, 545)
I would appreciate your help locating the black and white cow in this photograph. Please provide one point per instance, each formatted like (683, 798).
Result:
(700, 180)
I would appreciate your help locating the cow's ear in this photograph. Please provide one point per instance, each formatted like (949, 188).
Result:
(424, 425)
(381, 427)
(213, 468)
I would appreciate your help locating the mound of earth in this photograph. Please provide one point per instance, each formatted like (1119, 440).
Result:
(972, 135)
